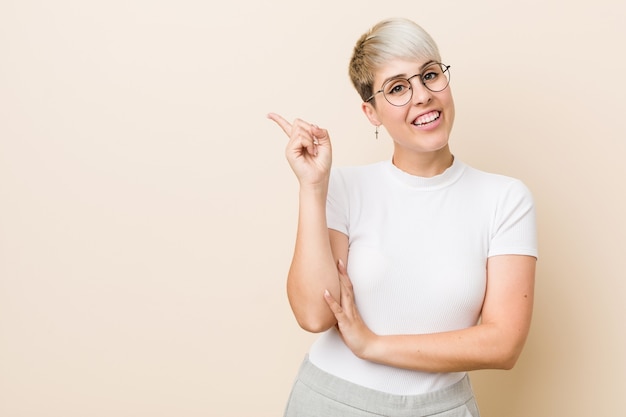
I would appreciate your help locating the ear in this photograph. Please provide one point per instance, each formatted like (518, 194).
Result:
(370, 113)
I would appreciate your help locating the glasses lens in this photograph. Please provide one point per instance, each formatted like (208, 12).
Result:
(397, 91)
(436, 77)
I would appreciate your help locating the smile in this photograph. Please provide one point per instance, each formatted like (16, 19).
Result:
(427, 118)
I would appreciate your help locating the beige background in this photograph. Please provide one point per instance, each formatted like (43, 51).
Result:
(147, 213)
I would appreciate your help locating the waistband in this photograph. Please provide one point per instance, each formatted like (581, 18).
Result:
(379, 402)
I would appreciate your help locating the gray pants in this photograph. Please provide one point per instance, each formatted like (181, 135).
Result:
(316, 393)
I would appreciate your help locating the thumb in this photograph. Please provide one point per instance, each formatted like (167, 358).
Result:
(319, 133)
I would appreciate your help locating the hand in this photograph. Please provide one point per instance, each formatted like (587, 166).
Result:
(352, 329)
(308, 150)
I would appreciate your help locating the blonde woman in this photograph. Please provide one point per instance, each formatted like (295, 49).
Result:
(416, 269)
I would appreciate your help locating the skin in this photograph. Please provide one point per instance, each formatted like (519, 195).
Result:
(319, 289)
(317, 249)
(421, 151)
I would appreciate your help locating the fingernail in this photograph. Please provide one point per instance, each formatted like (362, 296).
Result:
(326, 293)
(341, 263)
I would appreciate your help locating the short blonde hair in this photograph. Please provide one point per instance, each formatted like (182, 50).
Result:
(395, 38)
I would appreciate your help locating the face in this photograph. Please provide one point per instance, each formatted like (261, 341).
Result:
(421, 126)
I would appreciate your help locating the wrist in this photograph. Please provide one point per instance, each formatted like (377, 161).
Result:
(373, 349)
(318, 189)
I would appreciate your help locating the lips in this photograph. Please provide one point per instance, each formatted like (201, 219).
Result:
(427, 118)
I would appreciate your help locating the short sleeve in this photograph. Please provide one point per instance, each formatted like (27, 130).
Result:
(337, 203)
(514, 223)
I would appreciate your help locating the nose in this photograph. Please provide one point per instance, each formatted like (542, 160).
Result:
(421, 94)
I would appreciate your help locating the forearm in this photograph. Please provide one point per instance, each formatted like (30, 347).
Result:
(313, 268)
(495, 343)
(484, 346)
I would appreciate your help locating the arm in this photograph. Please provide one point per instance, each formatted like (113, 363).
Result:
(313, 267)
(495, 343)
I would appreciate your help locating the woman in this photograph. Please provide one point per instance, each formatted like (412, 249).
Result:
(416, 269)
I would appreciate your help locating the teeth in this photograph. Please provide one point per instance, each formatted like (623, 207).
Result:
(426, 118)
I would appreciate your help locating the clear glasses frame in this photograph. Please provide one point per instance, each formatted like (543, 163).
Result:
(435, 85)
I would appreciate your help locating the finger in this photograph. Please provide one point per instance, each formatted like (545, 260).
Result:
(280, 121)
(342, 267)
(333, 304)
(302, 137)
(347, 293)
(318, 133)
(343, 275)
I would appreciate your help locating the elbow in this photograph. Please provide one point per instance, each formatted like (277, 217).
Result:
(506, 364)
(315, 324)
(506, 358)
(312, 317)
(505, 348)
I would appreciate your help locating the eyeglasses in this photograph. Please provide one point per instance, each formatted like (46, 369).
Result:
(398, 91)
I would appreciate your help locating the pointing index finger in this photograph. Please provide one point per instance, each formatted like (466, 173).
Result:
(280, 121)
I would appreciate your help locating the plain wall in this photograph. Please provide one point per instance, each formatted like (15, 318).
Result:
(147, 213)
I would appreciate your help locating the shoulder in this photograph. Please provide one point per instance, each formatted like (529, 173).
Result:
(493, 183)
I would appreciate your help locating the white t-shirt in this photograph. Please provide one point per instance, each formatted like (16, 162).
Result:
(418, 249)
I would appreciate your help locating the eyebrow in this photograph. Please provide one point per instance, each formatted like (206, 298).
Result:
(404, 75)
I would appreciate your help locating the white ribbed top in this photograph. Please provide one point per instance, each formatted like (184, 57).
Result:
(417, 256)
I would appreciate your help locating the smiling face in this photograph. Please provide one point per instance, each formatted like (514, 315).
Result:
(420, 129)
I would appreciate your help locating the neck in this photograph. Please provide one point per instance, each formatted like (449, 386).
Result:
(428, 164)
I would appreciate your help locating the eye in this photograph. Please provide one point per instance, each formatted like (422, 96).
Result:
(397, 87)
(431, 75)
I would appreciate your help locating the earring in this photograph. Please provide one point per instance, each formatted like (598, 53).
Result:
(376, 132)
